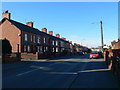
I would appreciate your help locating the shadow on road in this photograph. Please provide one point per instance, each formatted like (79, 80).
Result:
(85, 56)
(78, 72)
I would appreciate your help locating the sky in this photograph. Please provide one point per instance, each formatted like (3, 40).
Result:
(72, 20)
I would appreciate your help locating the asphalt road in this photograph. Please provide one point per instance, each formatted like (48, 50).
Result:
(68, 72)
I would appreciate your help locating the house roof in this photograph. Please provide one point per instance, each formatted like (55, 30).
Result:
(26, 28)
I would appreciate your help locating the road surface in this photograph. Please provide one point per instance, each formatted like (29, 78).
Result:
(69, 72)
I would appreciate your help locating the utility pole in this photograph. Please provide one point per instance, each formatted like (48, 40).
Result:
(101, 30)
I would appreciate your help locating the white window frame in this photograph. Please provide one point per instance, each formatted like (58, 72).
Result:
(53, 49)
(41, 49)
(31, 38)
(44, 39)
(53, 42)
(38, 39)
(34, 38)
(44, 49)
(38, 48)
(57, 49)
(28, 47)
(56, 43)
(26, 37)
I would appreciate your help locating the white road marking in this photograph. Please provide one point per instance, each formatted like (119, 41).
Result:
(83, 68)
(26, 72)
(34, 70)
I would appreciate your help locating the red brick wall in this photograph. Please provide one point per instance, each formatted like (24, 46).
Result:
(11, 33)
(15, 36)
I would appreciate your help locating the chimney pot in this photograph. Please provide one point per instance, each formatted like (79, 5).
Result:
(58, 35)
(6, 15)
(64, 38)
(70, 42)
(50, 32)
(29, 24)
(44, 30)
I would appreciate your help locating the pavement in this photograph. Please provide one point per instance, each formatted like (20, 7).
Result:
(65, 72)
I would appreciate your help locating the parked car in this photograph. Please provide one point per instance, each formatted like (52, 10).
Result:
(81, 53)
(100, 54)
(94, 54)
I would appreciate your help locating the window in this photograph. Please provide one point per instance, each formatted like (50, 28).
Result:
(44, 49)
(56, 43)
(62, 44)
(34, 39)
(62, 49)
(28, 48)
(25, 48)
(38, 49)
(26, 37)
(53, 42)
(44, 40)
(38, 40)
(31, 38)
(53, 49)
(56, 49)
(41, 49)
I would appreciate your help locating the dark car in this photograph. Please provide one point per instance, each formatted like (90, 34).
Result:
(100, 54)
(81, 53)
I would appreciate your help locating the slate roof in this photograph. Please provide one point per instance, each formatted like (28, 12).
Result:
(26, 28)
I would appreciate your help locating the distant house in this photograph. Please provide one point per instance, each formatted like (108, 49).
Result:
(116, 44)
(27, 39)
(95, 49)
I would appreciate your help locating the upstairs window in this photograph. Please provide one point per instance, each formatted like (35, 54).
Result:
(56, 43)
(34, 39)
(26, 37)
(31, 38)
(44, 40)
(38, 40)
(53, 42)
(62, 44)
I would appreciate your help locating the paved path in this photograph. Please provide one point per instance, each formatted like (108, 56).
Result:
(70, 72)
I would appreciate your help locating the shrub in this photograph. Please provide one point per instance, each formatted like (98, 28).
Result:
(6, 47)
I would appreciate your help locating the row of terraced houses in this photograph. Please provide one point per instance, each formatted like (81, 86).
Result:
(28, 41)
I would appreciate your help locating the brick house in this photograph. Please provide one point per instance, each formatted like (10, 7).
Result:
(27, 39)
(116, 44)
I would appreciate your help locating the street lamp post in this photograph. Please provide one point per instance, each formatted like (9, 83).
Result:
(101, 30)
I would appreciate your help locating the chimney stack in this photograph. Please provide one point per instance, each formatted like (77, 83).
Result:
(58, 35)
(70, 42)
(64, 38)
(44, 30)
(6, 15)
(29, 24)
(50, 32)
